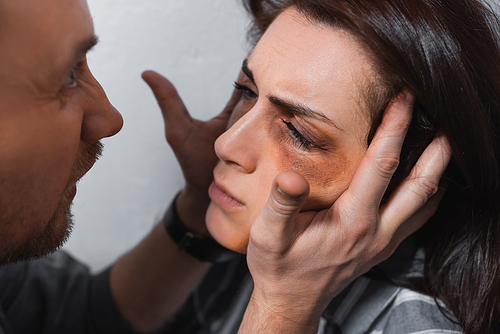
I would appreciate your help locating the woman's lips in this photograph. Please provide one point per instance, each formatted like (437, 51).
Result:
(223, 199)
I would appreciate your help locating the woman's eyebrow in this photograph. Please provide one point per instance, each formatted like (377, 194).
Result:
(302, 110)
(247, 71)
(292, 107)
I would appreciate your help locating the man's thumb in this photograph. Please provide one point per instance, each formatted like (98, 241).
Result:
(288, 194)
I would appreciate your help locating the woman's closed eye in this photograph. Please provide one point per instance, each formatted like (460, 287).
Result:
(296, 137)
(300, 140)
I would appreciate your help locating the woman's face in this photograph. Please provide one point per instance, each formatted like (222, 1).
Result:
(302, 110)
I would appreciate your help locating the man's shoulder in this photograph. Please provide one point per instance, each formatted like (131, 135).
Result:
(50, 293)
(54, 262)
(53, 270)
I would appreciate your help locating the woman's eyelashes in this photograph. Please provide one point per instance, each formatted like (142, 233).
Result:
(299, 140)
(248, 94)
(296, 137)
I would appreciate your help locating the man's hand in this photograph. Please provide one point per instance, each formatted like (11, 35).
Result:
(155, 278)
(193, 144)
(300, 260)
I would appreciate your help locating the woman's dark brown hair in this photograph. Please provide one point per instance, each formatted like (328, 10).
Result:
(446, 52)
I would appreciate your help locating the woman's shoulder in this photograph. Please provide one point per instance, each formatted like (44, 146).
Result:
(377, 307)
(414, 312)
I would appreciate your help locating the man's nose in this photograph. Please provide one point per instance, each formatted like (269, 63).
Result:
(101, 119)
(240, 145)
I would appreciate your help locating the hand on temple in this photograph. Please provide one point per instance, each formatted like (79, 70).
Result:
(192, 141)
(300, 261)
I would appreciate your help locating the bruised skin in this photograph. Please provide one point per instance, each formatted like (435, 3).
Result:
(307, 65)
(322, 170)
(328, 178)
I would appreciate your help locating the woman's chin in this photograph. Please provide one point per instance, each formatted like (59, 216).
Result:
(225, 232)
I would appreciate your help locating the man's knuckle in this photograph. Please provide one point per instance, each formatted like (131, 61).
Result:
(362, 230)
(387, 165)
(385, 247)
(283, 209)
(427, 187)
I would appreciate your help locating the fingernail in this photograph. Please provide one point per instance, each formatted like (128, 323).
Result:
(282, 192)
(410, 99)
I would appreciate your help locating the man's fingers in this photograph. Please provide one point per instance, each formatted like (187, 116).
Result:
(418, 219)
(382, 158)
(412, 197)
(275, 223)
(171, 105)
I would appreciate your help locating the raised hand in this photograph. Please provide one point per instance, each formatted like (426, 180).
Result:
(300, 260)
(167, 276)
(192, 141)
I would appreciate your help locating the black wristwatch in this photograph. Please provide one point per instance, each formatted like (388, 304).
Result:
(204, 249)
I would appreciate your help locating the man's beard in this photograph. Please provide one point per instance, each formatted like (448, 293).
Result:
(58, 228)
(55, 234)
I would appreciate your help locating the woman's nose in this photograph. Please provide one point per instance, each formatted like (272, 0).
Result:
(101, 119)
(240, 145)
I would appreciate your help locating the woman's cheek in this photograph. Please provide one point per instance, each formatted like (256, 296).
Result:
(231, 231)
(328, 175)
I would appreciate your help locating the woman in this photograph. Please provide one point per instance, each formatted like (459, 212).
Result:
(314, 92)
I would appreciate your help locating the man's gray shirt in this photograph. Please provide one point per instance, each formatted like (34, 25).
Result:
(57, 295)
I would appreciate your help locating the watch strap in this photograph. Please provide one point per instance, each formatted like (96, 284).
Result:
(203, 248)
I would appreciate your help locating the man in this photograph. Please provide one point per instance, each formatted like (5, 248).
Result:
(53, 114)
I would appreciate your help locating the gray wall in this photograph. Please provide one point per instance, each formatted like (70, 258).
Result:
(199, 45)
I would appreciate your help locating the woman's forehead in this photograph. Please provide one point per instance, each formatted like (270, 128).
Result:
(325, 68)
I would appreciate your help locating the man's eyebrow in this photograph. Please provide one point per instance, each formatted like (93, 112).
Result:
(247, 71)
(75, 55)
(85, 46)
(302, 110)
